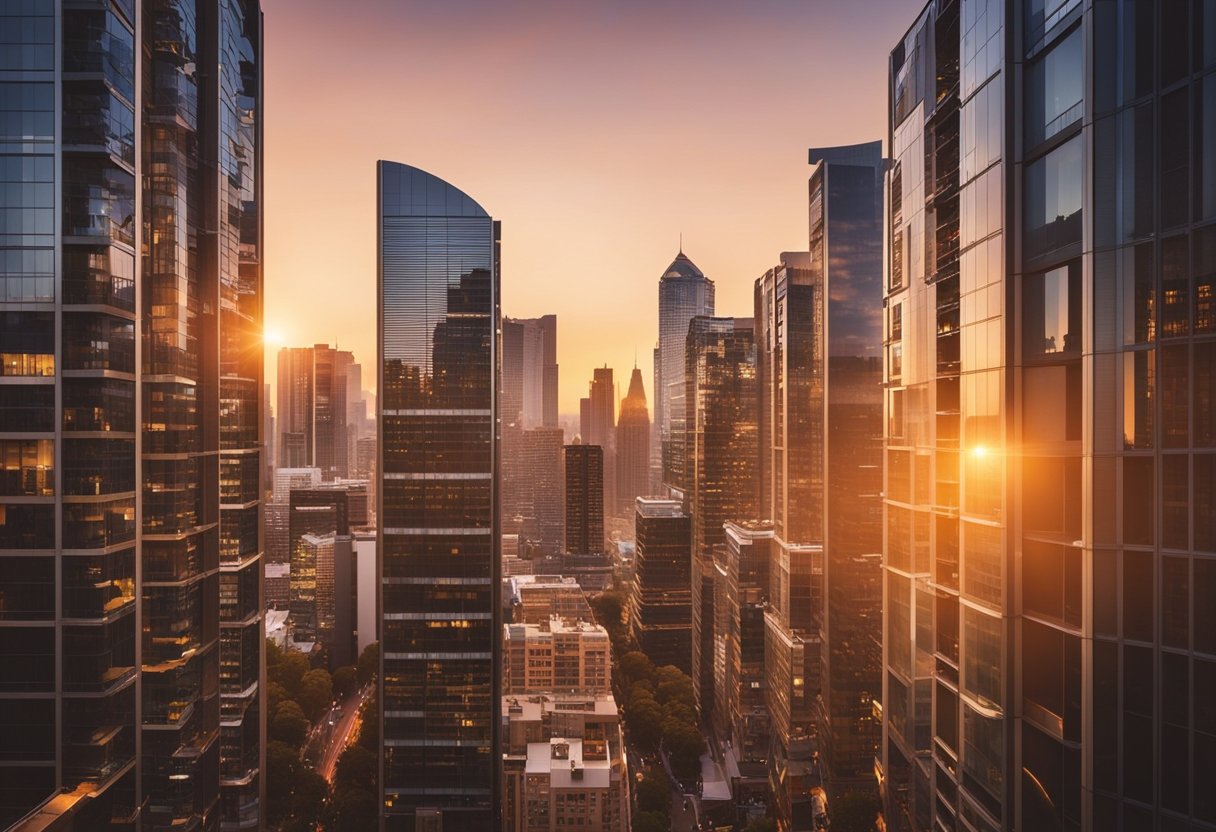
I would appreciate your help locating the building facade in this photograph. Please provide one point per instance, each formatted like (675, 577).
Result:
(437, 516)
(684, 293)
(660, 604)
(584, 466)
(846, 260)
(316, 386)
(1049, 524)
(561, 655)
(130, 415)
(721, 455)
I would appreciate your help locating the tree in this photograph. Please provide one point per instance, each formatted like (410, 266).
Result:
(854, 812)
(282, 765)
(289, 725)
(289, 671)
(353, 811)
(316, 693)
(309, 792)
(654, 793)
(346, 681)
(645, 720)
(635, 666)
(276, 695)
(369, 730)
(650, 822)
(684, 746)
(357, 769)
(639, 690)
(369, 663)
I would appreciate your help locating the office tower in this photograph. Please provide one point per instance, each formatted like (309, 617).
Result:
(329, 411)
(684, 293)
(790, 394)
(1049, 650)
(584, 466)
(295, 387)
(314, 402)
(561, 654)
(602, 429)
(743, 564)
(534, 599)
(633, 445)
(584, 417)
(542, 489)
(278, 510)
(131, 653)
(846, 245)
(437, 505)
(529, 371)
(660, 604)
(328, 512)
(721, 455)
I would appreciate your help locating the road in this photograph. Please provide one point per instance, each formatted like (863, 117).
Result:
(339, 735)
(683, 821)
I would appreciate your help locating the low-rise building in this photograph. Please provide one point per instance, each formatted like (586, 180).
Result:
(559, 655)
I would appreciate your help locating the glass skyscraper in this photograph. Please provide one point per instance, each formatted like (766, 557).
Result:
(1050, 654)
(684, 293)
(130, 414)
(438, 516)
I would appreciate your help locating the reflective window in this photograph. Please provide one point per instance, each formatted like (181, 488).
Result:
(1175, 169)
(1053, 199)
(1054, 89)
(1205, 148)
(1203, 264)
(1203, 502)
(1139, 398)
(1138, 592)
(1052, 311)
(1138, 500)
(27, 467)
(1175, 514)
(1175, 397)
(1139, 295)
(1042, 15)
(1203, 400)
(1205, 610)
(1175, 602)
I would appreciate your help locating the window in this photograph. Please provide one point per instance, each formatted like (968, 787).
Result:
(1175, 158)
(1175, 602)
(1052, 311)
(1138, 596)
(1138, 501)
(1139, 399)
(1053, 199)
(1054, 90)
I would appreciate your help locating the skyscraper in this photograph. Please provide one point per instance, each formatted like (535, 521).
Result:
(542, 489)
(846, 240)
(660, 605)
(314, 395)
(1050, 654)
(602, 429)
(130, 416)
(294, 416)
(721, 456)
(534, 362)
(584, 466)
(438, 518)
(633, 444)
(684, 293)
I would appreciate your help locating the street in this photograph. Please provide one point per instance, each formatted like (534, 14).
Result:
(683, 821)
(339, 735)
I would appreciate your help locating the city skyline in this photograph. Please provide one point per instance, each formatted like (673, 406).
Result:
(654, 149)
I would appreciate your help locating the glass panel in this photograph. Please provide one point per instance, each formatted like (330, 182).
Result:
(1053, 199)
(1054, 90)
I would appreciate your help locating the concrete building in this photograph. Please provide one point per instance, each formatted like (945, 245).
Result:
(534, 599)
(568, 656)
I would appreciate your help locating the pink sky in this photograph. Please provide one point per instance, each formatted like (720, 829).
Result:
(596, 132)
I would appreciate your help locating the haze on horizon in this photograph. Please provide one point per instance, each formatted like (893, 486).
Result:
(597, 133)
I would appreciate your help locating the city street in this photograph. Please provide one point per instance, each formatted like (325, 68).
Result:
(683, 821)
(339, 735)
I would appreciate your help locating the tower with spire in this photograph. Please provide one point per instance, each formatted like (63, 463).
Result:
(633, 443)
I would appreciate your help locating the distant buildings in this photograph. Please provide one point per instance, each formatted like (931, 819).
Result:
(530, 372)
(660, 606)
(633, 446)
(438, 528)
(534, 599)
(317, 393)
(684, 293)
(584, 466)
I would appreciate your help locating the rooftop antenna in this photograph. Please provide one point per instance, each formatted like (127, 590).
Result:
(681, 242)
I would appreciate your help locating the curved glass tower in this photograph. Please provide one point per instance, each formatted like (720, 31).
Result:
(438, 527)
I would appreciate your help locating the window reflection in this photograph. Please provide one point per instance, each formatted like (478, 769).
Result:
(1054, 89)
(1053, 199)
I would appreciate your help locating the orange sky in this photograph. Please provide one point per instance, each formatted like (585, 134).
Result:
(597, 133)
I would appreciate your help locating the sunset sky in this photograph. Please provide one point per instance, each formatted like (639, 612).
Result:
(596, 132)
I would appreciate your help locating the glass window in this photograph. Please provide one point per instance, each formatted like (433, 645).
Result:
(1205, 148)
(1041, 15)
(1138, 500)
(1175, 398)
(982, 656)
(1138, 595)
(1139, 680)
(1204, 697)
(1139, 398)
(27, 467)
(1204, 28)
(1203, 264)
(1106, 593)
(1139, 295)
(1053, 199)
(1175, 602)
(1175, 25)
(1052, 311)
(1204, 398)
(984, 758)
(1203, 505)
(1205, 610)
(1054, 90)
(1175, 158)
(1175, 508)
(1106, 715)
(1175, 286)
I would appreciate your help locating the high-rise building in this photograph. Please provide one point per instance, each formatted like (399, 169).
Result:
(684, 293)
(567, 655)
(328, 512)
(294, 414)
(633, 445)
(314, 395)
(130, 415)
(846, 245)
(721, 456)
(602, 429)
(529, 367)
(441, 632)
(542, 488)
(788, 323)
(1050, 651)
(660, 605)
(584, 466)
(742, 589)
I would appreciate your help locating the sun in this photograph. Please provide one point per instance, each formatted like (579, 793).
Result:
(272, 338)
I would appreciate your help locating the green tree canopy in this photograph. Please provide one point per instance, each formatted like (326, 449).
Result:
(315, 693)
(289, 725)
(369, 663)
(346, 681)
